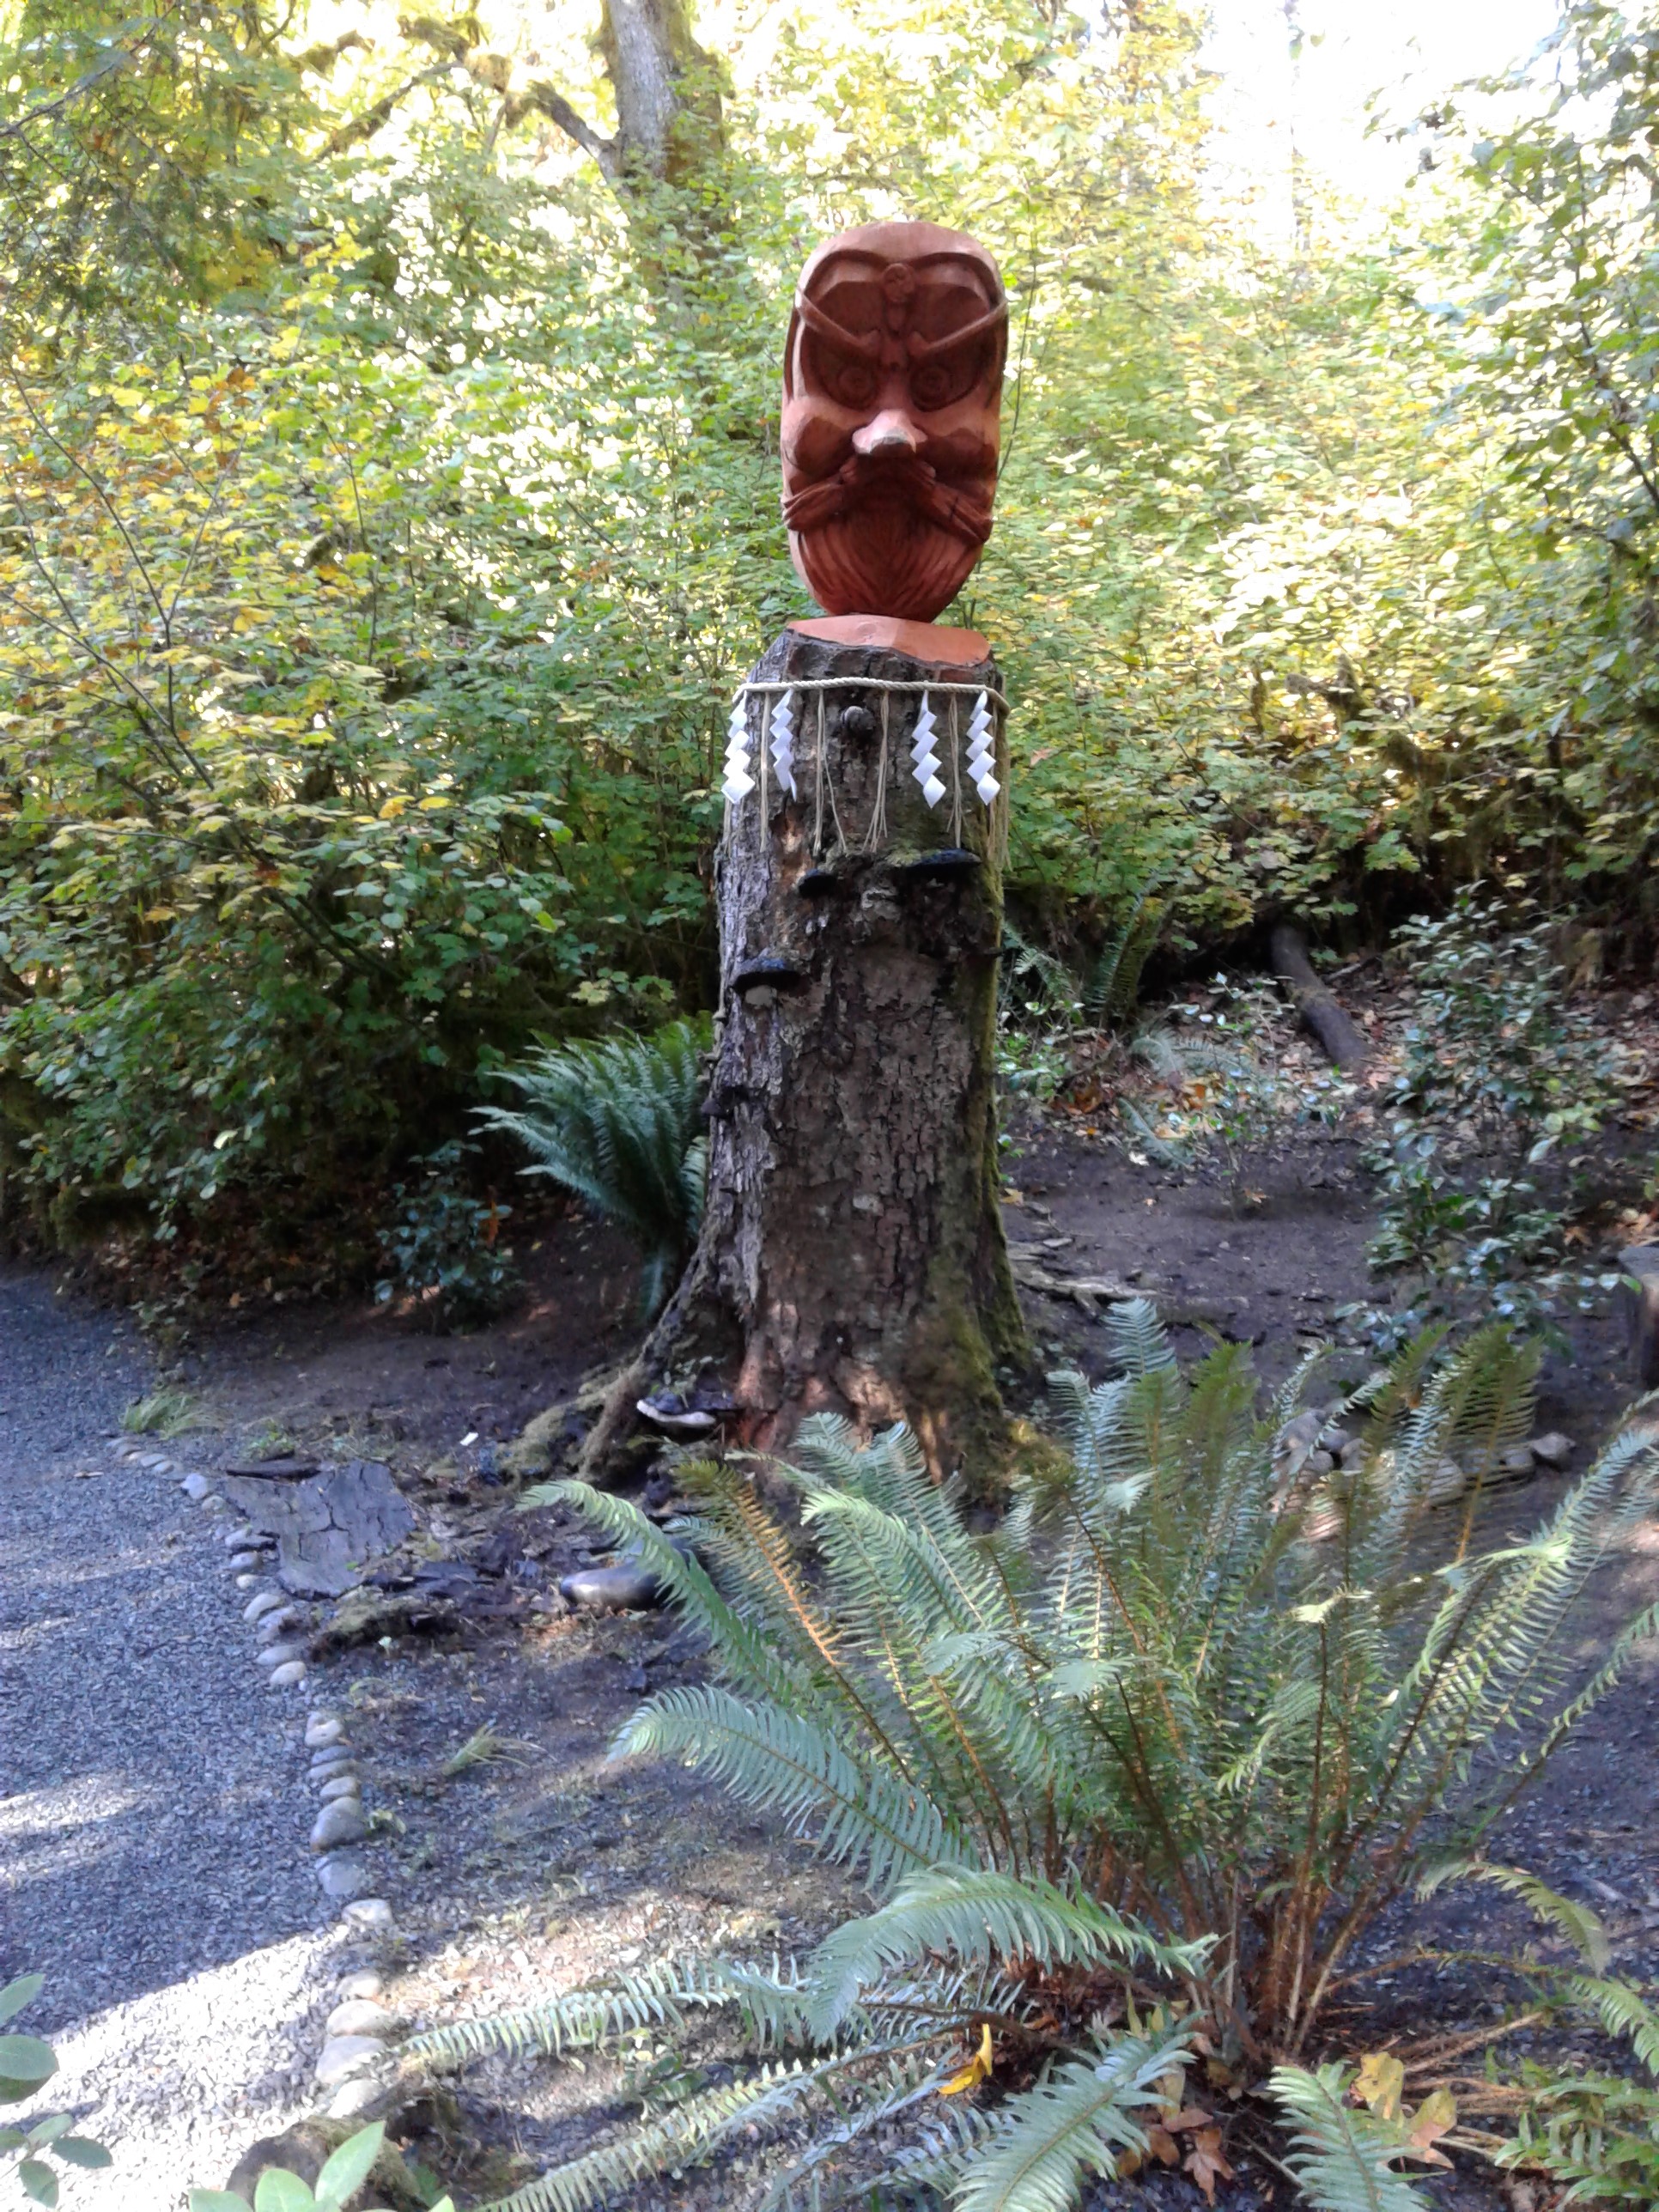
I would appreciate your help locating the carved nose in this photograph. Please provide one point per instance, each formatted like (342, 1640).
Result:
(892, 431)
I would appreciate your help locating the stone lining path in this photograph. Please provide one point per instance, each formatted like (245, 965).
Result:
(152, 1817)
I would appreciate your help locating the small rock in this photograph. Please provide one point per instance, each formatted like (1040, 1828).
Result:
(335, 1762)
(344, 2055)
(344, 1875)
(341, 1822)
(353, 2098)
(359, 2016)
(196, 1487)
(626, 1586)
(246, 1581)
(1334, 1441)
(155, 1462)
(285, 1676)
(371, 1912)
(322, 1729)
(240, 1562)
(1447, 1481)
(278, 1655)
(1553, 1450)
(1318, 1463)
(364, 1983)
(1352, 1455)
(257, 1607)
(277, 1624)
(340, 1785)
(1517, 1460)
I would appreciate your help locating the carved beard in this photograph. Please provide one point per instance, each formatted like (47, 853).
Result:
(887, 532)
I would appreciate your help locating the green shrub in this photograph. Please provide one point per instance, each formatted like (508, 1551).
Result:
(616, 1122)
(1171, 1735)
(443, 1247)
(27, 2063)
(1499, 1072)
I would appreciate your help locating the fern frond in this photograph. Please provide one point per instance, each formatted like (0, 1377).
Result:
(680, 2136)
(616, 1122)
(866, 1817)
(1622, 2012)
(1343, 2157)
(599, 2012)
(1075, 2121)
(980, 1917)
(1579, 1926)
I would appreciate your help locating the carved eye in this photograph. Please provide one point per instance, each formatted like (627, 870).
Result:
(941, 382)
(854, 383)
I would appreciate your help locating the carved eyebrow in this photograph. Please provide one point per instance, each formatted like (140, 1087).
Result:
(825, 327)
(921, 348)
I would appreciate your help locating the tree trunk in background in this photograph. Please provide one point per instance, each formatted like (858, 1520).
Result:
(851, 1256)
(666, 90)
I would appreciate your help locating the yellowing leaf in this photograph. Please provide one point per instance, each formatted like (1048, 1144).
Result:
(393, 809)
(431, 805)
(1380, 2083)
(1435, 2117)
(977, 2070)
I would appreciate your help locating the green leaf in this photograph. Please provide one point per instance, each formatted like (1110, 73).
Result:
(81, 2150)
(16, 1995)
(25, 2063)
(349, 2167)
(215, 2200)
(49, 2130)
(39, 2181)
(280, 2190)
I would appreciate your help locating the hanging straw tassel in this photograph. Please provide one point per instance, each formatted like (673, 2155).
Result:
(878, 831)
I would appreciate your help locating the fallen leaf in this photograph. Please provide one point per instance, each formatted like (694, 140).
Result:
(1163, 2145)
(1380, 2083)
(1205, 2163)
(977, 2070)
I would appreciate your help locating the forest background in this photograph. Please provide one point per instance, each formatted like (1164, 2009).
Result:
(389, 426)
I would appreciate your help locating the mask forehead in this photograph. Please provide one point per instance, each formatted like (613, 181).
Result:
(864, 295)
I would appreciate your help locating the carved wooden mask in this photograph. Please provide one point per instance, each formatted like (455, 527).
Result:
(892, 389)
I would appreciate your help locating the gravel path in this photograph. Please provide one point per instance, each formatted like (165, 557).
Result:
(152, 1825)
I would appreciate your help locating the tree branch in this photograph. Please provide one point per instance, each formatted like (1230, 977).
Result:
(545, 99)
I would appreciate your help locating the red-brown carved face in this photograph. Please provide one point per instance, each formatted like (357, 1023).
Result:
(892, 387)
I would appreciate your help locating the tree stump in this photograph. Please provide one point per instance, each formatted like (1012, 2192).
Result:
(851, 1256)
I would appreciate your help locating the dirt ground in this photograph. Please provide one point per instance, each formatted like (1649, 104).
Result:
(523, 1872)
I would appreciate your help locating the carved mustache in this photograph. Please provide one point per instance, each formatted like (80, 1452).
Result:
(890, 464)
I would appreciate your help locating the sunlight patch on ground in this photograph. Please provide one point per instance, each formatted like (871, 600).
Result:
(179, 2081)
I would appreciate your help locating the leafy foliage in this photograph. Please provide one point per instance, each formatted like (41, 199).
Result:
(617, 1122)
(1499, 1072)
(390, 506)
(1260, 1689)
(27, 2063)
(444, 1246)
(1598, 2133)
(345, 2172)
(1162, 1744)
(1344, 2159)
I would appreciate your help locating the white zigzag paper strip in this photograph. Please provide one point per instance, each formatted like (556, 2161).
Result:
(738, 783)
(783, 744)
(981, 749)
(922, 753)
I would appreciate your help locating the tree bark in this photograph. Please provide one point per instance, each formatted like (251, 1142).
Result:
(851, 1256)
